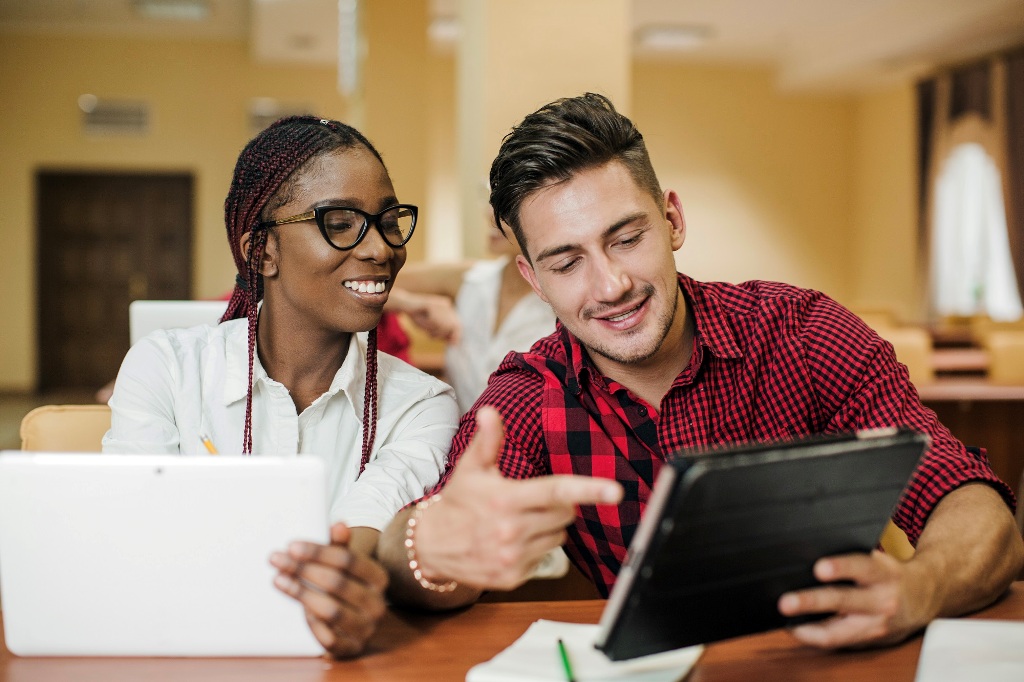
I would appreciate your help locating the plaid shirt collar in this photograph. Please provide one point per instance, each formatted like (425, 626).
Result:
(712, 332)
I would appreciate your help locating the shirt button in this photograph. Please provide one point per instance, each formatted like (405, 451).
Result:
(641, 410)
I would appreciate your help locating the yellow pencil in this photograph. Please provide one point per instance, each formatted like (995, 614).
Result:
(208, 443)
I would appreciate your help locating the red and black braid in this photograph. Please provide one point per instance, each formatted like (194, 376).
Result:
(369, 399)
(261, 181)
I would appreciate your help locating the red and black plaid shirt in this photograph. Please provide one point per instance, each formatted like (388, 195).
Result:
(770, 362)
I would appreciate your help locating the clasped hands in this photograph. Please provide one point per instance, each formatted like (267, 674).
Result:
(341, 589)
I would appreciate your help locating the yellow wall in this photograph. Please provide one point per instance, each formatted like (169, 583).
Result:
(814, 190)
(517, 55)
(764, 177)
(886, 270)
(199, 95)
(395, 103)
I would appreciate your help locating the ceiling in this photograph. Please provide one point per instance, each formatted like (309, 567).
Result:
(813, 44)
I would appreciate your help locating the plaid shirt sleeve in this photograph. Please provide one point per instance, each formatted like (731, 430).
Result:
(516, 392)
(861, 385)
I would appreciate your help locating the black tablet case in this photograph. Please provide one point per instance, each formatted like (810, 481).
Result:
(725, 534)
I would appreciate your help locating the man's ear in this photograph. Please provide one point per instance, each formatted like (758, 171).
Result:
(526, 270)
(268, 262)
(676, 219)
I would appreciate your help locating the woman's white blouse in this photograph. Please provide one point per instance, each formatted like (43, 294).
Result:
(176, 385)
(481, 347)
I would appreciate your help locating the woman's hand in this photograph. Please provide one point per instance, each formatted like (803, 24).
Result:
(341, 589)
(433, 313)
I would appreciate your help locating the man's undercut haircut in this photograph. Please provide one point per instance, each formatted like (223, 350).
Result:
(264, 180)
(556, 142)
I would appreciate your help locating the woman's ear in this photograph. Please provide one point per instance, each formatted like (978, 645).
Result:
(268, 260)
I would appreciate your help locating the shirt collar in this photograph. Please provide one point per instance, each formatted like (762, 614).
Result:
(711, 325)
(350, 377)
(712, 328)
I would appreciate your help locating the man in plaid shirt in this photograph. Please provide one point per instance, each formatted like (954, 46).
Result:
(646, 362)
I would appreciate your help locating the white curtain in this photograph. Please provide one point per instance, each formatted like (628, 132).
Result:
(972, 271)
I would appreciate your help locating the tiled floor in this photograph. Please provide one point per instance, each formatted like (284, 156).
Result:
(15, 406)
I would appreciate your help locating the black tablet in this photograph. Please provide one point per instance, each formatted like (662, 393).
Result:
(727, 532)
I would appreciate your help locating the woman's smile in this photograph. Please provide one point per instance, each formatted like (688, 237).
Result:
(366, 286)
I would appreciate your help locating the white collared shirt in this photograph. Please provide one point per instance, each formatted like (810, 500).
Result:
(176, 385)
(481, 347)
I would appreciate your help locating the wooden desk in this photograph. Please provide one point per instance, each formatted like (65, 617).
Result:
(968, 389)
(424, 647)
(970, 360)
(983, 414)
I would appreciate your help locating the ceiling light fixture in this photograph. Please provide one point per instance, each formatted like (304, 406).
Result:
(673, 38)
(444, 31)
(350, 48)
(174, 10)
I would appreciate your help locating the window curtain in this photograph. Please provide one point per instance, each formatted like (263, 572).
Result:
(980, 103)
(971, 265)
(1015, 161)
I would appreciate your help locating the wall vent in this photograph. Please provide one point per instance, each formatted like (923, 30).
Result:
(113, 116)
(264, 110)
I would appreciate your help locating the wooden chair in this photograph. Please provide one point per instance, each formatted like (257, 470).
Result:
(913, 346)
(877, 318)
(895, 543)
(983, 326)
(65, 428)
(1006, 357)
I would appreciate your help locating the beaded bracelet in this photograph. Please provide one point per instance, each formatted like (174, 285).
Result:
(410, 548)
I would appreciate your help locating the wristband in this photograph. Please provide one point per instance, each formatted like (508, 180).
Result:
(410, 548)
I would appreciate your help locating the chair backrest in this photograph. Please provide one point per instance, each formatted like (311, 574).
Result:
(877, 318)
(895, 543)
(913, 346)
(65, 428)
(147, 316)
(982, 327)
(1006, 357)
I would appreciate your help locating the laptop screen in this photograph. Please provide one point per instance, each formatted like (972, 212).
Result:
(154, 555)
(147, 316)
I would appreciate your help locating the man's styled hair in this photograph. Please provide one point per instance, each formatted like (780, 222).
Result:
(264, 178)
(558, 141)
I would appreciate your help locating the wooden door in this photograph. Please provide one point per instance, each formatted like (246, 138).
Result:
(104, 240)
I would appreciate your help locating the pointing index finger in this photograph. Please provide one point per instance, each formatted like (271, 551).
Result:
(556, 491)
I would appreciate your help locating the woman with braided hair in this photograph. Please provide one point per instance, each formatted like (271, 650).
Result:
(317, 236)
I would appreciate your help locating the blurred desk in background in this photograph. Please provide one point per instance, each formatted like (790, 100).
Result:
(967, 360)
(983, 414)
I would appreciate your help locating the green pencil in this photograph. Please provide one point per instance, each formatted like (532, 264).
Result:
(565, 661)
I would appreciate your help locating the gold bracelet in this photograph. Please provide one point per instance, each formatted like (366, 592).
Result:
(410, 548)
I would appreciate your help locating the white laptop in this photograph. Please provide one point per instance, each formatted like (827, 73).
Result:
(147, 316)
(154, 555)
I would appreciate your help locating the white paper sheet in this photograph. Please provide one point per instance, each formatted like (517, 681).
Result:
(534, 656)
(970, 650)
